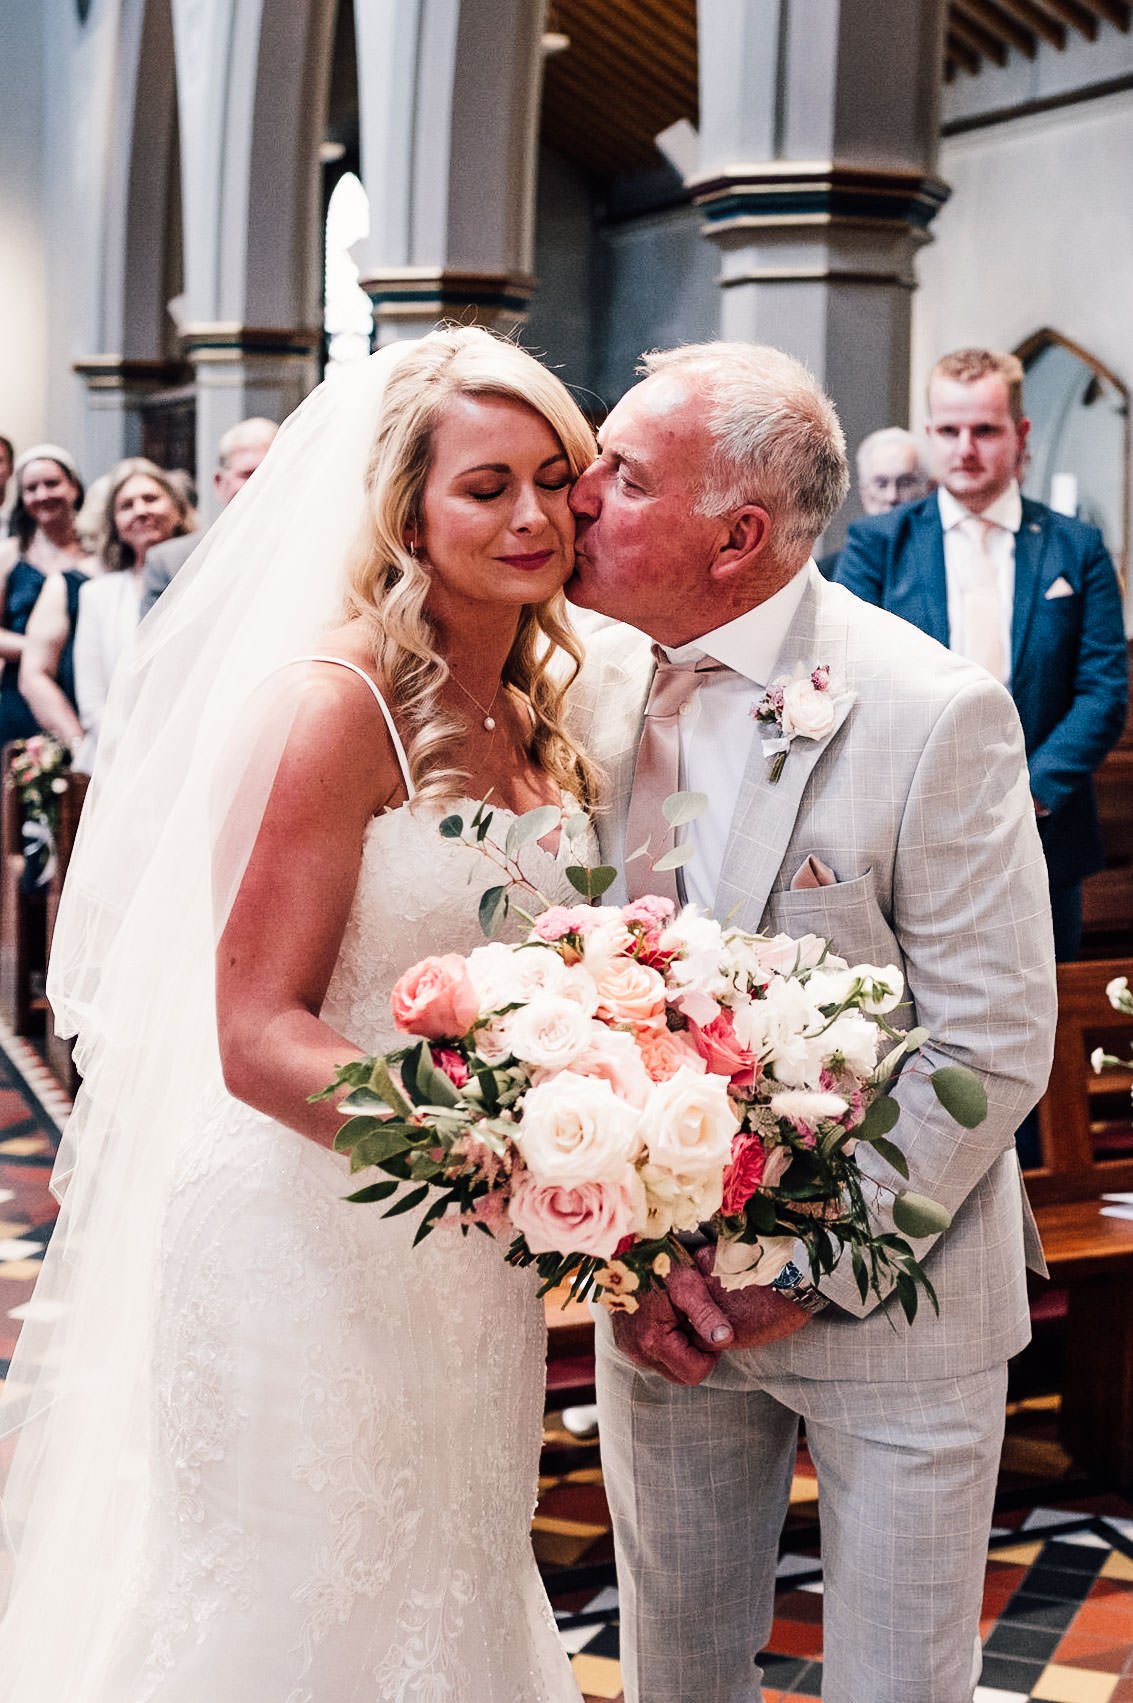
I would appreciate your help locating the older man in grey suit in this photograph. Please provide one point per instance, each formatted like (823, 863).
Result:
(905, 834)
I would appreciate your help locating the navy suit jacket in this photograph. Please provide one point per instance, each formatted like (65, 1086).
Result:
(1069, 666)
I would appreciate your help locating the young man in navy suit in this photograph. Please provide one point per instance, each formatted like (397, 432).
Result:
(1030, 594)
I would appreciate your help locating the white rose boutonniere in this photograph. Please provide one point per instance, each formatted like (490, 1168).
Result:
(799, 706)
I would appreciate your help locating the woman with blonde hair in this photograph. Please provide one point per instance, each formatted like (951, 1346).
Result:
(144, 506)
(272, 1451)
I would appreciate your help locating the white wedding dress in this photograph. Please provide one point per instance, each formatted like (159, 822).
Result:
(345, 1445)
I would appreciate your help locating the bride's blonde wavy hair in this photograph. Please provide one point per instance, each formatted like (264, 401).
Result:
(387, 586)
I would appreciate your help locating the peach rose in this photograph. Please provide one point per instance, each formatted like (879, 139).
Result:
(629, 992)
(590, 1218)
(664, 1051)
(435, 998)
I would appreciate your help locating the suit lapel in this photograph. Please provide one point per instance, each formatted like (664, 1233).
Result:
(928, 561)
(765, 812)
(1030, 546)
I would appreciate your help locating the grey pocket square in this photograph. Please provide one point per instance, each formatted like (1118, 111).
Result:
(1059, 588)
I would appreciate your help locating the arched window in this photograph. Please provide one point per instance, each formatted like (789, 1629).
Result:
(1078, 458)
(347, 318)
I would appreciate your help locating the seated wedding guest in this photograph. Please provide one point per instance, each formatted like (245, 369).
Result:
(7, 461)
(44, 549)
(890, 472)
(239, 453)
(144, 507)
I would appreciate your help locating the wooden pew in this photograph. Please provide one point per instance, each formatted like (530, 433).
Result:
(57, 1052)
(23, 931)
(1090, 1256)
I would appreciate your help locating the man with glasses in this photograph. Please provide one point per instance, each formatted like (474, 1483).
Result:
(890, 472)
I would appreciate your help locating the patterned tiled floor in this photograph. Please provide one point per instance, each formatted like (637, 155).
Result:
(1058, 1595)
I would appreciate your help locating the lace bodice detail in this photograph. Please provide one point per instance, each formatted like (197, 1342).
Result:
(418, 895)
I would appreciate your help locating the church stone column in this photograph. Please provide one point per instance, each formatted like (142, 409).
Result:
(815, 181)
(115, 389)
(449, 97)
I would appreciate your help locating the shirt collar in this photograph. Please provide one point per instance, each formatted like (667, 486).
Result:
(1006, 511)
(750, 644)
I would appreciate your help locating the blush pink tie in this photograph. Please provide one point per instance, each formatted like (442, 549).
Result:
(657, 771)
(983, 605)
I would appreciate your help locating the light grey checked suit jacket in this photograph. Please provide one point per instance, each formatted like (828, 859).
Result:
(919, 801)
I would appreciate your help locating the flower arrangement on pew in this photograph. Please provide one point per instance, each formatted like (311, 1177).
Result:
(626, 1074)
(39, 767)
(1119, 996)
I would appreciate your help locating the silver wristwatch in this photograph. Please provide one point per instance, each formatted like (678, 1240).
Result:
(793, 1286)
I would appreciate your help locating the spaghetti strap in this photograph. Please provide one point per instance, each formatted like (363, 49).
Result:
(399, 748)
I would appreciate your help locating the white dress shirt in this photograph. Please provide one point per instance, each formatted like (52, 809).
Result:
(716, 726)
(1005, 515)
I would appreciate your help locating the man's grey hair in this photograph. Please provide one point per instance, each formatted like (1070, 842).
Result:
(776, 437)
(888, 435)
(245, 434)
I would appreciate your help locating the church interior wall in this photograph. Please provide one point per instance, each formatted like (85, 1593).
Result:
(24, 271)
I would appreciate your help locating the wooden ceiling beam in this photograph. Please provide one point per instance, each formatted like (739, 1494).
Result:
(1001, 23)
(1041, 22)
(979, 39)
(1115, 12)
(1073, 13)
(961, 52)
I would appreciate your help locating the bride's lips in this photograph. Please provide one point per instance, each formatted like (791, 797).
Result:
(538, 560)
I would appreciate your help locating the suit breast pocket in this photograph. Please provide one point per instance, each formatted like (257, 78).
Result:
(847, 914)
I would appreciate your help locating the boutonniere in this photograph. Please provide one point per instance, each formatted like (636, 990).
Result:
(797, 706)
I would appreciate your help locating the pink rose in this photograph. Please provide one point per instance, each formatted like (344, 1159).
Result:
(591, 1218)
(664, 1051)
(435, 998)
(717, 1044)
(452, 1064)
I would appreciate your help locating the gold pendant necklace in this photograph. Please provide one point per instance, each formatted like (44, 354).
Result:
(489, 722)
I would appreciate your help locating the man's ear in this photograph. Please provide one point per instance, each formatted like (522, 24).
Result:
(745, 535)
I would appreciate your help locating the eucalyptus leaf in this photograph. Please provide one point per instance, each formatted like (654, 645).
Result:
(916, 1215)
(531, 826)
(674, 859)
(591, 883)
(682, 807)
(892, 1156)
(887, 1065)
(916, 1039)
(961, 1093)
(577, 827)
(632, 857)
(365, 1100)
(452, 828)
(493, 906)
(880, 1117)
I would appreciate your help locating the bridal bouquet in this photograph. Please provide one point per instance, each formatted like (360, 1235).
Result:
(626, 1074)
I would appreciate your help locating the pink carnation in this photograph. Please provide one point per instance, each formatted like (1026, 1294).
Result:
(560, 920)
(435, 998)
(650, 909)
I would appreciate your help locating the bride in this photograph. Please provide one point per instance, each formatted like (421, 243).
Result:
(269, 1452)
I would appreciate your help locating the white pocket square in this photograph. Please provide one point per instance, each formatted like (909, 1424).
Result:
(1060, 588)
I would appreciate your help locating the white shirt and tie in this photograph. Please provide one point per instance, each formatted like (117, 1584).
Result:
(979, 567)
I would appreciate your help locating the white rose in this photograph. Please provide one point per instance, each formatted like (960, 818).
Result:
(580, 986)
(830, 987)
(806, 710)
(575, 1130)
(808, 1106)
(550, 1032)
(740, 1264)
(688, 1124)
(495, 974)
(492, 1042)
(614, 1055)
(678, 1203)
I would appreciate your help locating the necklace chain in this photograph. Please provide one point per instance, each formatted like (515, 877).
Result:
(489, 722)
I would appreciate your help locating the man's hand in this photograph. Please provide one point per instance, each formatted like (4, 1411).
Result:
(756, 1314)
(679, 1331)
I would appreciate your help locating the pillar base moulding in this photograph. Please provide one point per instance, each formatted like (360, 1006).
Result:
(119, 373)
(230, 341)
(409, 300)
(808, 191)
